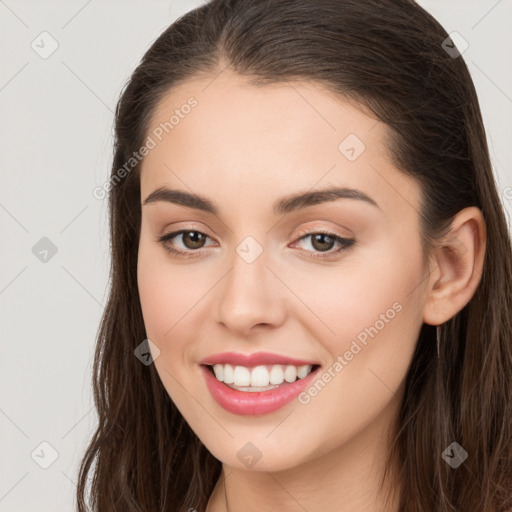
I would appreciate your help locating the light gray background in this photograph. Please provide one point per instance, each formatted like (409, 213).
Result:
(56, 138)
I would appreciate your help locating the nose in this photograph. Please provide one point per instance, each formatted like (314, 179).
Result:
(251, 297)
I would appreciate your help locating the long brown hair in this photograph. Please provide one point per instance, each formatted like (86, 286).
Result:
(389, 57)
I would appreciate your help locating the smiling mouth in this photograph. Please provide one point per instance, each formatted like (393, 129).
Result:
(259, 378)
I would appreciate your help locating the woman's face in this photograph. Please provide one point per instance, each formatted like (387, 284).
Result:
(255, 281)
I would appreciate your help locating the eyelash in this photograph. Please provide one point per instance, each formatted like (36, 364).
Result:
(346, 244)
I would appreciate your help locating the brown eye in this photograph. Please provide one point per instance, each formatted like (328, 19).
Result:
(325, 243)
(193, 239)
(322, 241)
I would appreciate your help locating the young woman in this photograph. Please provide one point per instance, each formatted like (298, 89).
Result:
(311, 272)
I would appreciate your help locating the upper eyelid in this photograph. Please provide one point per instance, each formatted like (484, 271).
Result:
(301, 232)
(315, 230)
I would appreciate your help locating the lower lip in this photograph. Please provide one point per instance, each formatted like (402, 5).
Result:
(257, 402)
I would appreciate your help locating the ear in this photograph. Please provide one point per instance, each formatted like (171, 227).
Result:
(457, 267)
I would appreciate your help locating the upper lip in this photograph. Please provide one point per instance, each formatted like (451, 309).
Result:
(255, 359)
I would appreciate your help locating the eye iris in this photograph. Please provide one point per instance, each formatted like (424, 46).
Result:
(322, 236)
(197, 239)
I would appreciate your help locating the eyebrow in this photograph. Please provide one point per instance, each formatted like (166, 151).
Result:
(282, 206)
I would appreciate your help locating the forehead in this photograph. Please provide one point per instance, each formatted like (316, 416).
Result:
(273, 139)
(230, 111)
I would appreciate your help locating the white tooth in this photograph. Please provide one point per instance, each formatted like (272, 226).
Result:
(276, 374)
(290, 373)
(219, 371)
(302, 371)
(251, 389)
(241, 376)
(260, 376)
(228, 374)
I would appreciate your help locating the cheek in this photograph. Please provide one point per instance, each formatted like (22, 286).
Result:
(167, 295)
(367, 318)
(368, 294)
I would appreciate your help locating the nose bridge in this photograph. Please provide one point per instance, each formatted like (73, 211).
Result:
(248, 296)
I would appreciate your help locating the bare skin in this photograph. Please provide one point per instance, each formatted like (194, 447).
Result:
(245, 147)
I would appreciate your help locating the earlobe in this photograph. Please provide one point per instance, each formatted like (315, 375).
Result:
(458, 265)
